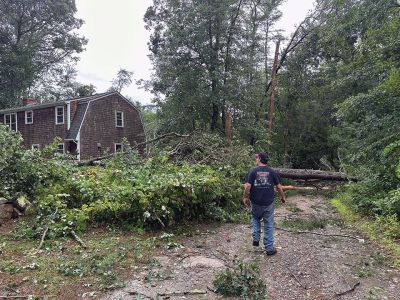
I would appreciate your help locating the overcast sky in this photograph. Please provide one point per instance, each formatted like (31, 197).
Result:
(117, 39)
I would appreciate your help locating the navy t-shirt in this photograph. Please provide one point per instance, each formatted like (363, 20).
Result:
(262, 180)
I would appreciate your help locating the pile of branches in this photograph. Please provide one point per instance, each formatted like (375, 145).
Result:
(197, 147)
(206, 148)
(213, 149)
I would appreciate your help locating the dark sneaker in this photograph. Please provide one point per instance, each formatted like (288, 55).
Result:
(256, 243)
(271, 252)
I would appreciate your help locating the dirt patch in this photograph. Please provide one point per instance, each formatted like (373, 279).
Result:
(334, 263)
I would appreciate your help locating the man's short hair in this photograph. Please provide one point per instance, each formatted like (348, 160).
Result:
(263, 156)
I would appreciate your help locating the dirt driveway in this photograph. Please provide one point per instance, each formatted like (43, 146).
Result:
(333, 262)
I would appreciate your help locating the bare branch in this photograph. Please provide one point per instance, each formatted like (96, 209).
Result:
(348, 291)
(164, 136)
(317, 233)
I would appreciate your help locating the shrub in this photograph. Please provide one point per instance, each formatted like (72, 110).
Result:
(153, 193)
(23, 171)
(14, 164)
(243, 280)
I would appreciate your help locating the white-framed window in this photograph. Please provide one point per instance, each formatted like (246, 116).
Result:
(60, 148)
(35, 147)
(119, 119)
(11, 121)
(29, 117)
(59, 110)
(119, 147)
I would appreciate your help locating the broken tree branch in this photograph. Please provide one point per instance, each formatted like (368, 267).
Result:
(52, 216)
(15, 297)
(348, 291)
(78, 239)
(297, 40)
(304, 188)
(297, 280)
(317, 233)
(309, 174)
(159, 220)
(185, 293)
(164, 136)
(135, 293)
(43, 237)
(167, 135)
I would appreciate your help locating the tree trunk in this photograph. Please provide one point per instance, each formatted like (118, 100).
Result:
(287, 125)
(214, 117)
(227, 61)
(228, 126)
(271, 106)
(308, 174)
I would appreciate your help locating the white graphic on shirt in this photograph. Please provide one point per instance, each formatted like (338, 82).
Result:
(262, 179)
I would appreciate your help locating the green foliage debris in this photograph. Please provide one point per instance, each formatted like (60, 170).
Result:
(243, 280)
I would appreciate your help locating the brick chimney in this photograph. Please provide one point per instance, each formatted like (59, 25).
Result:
(74, 106)
(28, 101)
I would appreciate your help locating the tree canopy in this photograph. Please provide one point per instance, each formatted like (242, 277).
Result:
(337, 92)
(37, 38)
(210, 57)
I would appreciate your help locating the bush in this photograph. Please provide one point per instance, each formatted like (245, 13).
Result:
(129, 190)
(23, 171)
(14, 164)
(147, 193)
(242, 281)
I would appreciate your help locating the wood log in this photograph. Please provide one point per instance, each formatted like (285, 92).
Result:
(308, 174)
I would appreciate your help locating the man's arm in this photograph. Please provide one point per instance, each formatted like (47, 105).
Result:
(246, 194)
(279, 187)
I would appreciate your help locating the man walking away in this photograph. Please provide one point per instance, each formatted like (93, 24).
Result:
(259, 190)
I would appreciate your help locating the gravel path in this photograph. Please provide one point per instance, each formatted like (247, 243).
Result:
(333, 263)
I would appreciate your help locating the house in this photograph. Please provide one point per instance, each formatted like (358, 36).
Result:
(88, 127)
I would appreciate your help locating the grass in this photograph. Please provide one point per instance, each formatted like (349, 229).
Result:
(41, 272)
(293, 208)
(364, 273)
(110, 257)
(305, 224)
(381, 230)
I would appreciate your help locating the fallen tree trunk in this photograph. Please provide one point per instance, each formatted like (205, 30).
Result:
(308, 174)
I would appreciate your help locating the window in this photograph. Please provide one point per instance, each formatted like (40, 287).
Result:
(11, 121)
(60, 115)
(35, 146)
(60, 148)
(118, 148)
(29, 117)
(119, 119)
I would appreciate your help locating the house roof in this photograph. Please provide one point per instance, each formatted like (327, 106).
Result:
(77, 121)
(80, 114)
(53, 104)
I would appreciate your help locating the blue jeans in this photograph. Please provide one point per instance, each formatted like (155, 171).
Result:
(265, 213)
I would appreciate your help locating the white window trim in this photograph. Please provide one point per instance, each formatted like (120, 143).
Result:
(35, 145)
(118, 144)
(116, 119)
(63, 148)
(55, 111)
(26, 116)
(16, 121)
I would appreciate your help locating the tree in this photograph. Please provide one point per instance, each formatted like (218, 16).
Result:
(123, 79)
(84, 90)
(212, 63)
(60, 84)
(338, 100)
(36, 36)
